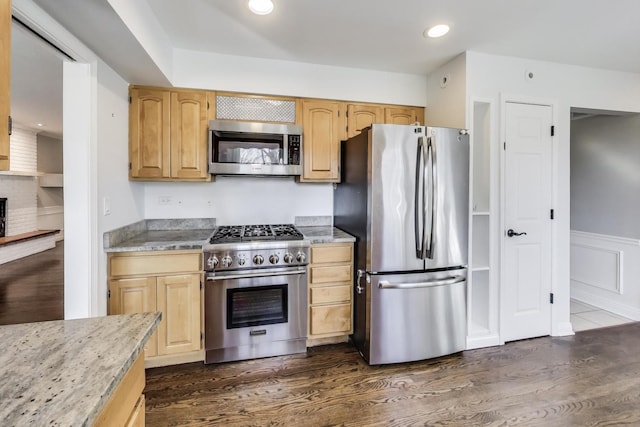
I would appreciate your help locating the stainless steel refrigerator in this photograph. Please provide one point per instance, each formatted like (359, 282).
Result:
(404, 195)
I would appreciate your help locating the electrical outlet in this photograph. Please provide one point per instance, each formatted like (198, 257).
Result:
(165, 200)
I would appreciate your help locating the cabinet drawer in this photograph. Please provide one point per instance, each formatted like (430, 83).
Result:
(333, 273)
(327, 253)
(328, 294)
(330, 319)
(153, 264)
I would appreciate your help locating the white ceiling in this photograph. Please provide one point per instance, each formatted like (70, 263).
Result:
(387, 34)
(371, 34)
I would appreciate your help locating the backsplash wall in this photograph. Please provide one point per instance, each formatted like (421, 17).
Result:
(239, 200)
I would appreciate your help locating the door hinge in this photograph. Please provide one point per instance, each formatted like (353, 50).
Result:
(130, 100)
(129, 165)
(504, 146)
(109, 293)
(10, 125)
(551, 298)
(552, 214)
(201, 285)
(201, 336)
(553, 130)
(207, 105)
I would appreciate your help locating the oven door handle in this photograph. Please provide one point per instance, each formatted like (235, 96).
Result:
(212, 278)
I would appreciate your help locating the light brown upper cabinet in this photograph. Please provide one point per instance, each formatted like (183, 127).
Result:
(5, 81)
(323, 129)
(359, 116)
(168, 134)
(403, 115)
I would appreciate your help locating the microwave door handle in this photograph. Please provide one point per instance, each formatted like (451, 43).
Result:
(418, 203)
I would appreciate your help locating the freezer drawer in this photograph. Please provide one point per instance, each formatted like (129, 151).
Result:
(415, 316)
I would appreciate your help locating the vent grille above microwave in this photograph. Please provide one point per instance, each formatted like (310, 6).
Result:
(255, 109)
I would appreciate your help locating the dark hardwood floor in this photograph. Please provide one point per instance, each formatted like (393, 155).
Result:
(32, 288)
(590, 379)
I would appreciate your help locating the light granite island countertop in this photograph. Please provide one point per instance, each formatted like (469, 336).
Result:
(62, 373)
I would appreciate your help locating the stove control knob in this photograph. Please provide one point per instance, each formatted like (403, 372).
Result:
(288, 258)
(212, 262)
(241, 260)
(273, 259)
(258, 259)
(301, 257)
(227, 261)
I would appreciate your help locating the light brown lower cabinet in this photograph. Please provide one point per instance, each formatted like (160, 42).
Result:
(166, 281)
(126, 407)
(330, 293)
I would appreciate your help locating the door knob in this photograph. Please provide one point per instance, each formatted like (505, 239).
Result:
(512, 233)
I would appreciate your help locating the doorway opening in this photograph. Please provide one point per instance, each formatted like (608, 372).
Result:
(33, 288)
(605, 232)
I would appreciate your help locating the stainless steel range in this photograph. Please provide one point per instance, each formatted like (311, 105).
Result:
(255, 292)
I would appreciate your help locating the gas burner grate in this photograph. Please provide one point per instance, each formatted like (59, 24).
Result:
(255, 232)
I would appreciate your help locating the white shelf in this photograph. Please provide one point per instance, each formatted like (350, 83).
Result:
(20, 173)
(53, 180)
(480, 268)
(480, 213)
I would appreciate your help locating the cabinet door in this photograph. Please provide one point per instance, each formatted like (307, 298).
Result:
(402, 115)
(136, 295)
(5, 81)
(189, 141)
(359, 116)
(179, 301)
(323, 128)
(149, 137)
(330, 319)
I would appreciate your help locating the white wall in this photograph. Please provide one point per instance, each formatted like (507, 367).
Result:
(446, 92)
(605, 175)
(240, 200)
(566, 86)
(124, 198)
(275, 77)
(21, 191)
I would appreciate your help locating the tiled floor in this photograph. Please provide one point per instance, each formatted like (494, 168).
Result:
(584, 317)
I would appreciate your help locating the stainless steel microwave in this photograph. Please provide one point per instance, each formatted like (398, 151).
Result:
(247, 148)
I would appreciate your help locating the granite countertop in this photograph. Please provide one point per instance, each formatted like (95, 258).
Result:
(160, 235)
(61, 373)
(176, 234)
(325, 234)
(163, 240)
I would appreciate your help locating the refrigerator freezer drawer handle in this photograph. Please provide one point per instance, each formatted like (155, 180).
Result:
(441, 282)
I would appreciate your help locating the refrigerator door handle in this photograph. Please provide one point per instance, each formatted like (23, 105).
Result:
(431, 154)
(428, 284)
(419, 211)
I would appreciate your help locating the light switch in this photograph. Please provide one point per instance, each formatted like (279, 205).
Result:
(106, 206)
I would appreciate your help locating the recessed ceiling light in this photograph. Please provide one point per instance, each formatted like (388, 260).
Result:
(39, 124)
(437, 31)
(261, 7)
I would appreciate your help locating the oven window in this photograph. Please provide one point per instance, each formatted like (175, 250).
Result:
(259, 305)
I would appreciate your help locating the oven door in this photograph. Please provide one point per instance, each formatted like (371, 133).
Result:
(255, 314)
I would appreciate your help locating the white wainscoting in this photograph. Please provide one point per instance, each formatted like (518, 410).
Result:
(605, 272)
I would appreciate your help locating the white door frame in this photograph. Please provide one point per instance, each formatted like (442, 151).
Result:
(81, 249)
(524, 99)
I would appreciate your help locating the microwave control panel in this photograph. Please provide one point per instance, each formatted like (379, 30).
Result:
(294, 150)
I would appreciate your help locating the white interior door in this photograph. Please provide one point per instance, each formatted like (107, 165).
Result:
(526, 306)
